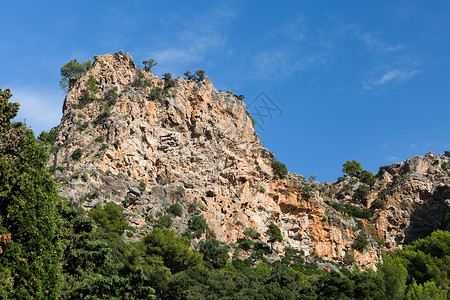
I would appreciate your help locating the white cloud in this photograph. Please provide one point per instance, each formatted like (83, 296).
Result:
(198, 40)
(276, 64)
(375, 44)
(41, 109)
(395, 75)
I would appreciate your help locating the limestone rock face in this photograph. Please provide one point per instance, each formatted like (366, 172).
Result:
(147, 143)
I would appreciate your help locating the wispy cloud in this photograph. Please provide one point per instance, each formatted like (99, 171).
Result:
(295, 30)
(376, 45)
(277, 64)
(395, 75)
(198, 40)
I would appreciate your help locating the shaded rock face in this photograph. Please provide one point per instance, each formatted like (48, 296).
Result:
(417, 201)
(152, 143)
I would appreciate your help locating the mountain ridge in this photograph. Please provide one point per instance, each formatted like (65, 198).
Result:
(147, 143)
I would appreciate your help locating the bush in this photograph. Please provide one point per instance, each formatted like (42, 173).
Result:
(92, 87)
(367, 177)
(279, 168)
(142, 186)
(76, 155)
(378, 204)
(447, 153)
(362, 191)
(246, 244)
(349, 258)
(352, 210)
(165, 221)
(214, 252)
(252, 233)
(360, 242)
(156, 93)
(111, 96)
(175, 209)
(274, 233)
(198, 224)
(109, 218)
(107, 110)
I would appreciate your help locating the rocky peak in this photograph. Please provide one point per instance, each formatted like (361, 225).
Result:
(147, 143)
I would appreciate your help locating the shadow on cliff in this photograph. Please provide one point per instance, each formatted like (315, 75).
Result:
(433, 214)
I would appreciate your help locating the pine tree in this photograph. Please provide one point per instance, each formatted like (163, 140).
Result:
(30, 262)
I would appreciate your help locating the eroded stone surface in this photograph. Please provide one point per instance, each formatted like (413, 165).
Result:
(196, 146)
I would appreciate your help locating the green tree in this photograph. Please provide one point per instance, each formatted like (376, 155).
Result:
(30, 262)
(76, 155)
(201, 74)
(189, 75)
(110, 218)
(214, 252)
(367, 177)
(165, 221)
(92, 87)
(362, 191)
(175, 209)
(163, 248)
(360, 242)
(279, 168)
(395, 276)
(71, 71)
(149, 64)
(274, 234)
(167, 76)
(351, 167)
(426, 291)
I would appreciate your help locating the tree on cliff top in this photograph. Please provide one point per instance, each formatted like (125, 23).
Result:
(351, 167)
(71, 71)
(30, 263)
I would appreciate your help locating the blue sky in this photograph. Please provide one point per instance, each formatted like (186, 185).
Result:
(363, 80)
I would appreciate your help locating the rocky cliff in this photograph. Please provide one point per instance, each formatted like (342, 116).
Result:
(147, 143)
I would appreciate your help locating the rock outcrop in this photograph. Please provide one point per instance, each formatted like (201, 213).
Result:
(147, 143)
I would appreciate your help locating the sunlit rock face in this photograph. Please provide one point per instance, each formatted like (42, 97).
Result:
(147, 143)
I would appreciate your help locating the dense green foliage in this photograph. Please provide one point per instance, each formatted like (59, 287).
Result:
(274, 233)
(352, 210)
(92, 88)
(76, 155)
(52, 249)
(110, 218)
(279, 168)
(93, 262)
(175, 209)
(71, 71)
(351, 167)
(29, 262)
(362, 191)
